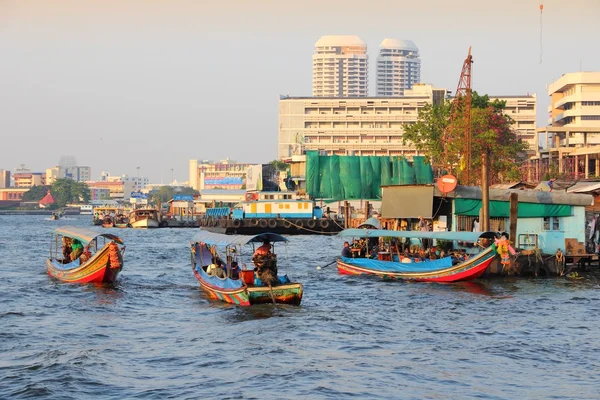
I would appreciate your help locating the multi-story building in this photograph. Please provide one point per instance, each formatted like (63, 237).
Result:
(361, 126)
(29, 179)
(12, 194)
(224, 174)
(137, 182)
(398, 67)
(340, 67)
(522, 109)
(79, 174)
(4, 178)
(571, 141)
(117, 190)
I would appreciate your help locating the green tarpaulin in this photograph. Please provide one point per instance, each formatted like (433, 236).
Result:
(360, 177)
(501, 209)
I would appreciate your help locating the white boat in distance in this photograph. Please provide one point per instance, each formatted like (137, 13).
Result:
(144, 218)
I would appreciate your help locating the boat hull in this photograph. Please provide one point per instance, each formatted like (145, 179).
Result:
(145, 223)
(98, 269)
(290, 293)
(467, 270)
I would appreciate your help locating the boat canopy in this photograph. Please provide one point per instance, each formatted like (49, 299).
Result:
(374, 222)
(218, 239)
(365, 233)
(85, 235)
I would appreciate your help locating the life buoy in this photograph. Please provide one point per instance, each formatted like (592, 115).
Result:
(311, 223)
(253, 222)
(287, 224)
(324, 223)
(272, 223)
(223, 223)
(262, 223)
(236, 223)
(299, 223)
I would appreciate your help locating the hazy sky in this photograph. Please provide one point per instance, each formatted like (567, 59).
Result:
(127, 83)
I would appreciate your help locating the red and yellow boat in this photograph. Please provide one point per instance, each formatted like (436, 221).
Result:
(243, 288)
(100, 261)
(447, 269)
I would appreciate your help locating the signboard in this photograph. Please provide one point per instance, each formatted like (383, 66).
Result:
(224, 181)
(254, 177)
(138, 195)
(183, 197)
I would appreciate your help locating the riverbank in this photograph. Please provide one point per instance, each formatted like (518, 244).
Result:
(66, 211)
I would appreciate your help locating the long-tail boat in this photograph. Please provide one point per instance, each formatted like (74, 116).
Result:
(99, 257)
(445, 269)
(221, 280)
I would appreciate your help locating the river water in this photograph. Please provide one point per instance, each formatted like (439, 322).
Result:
(155, 335)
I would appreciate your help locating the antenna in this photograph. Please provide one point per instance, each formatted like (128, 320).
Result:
(541, 32)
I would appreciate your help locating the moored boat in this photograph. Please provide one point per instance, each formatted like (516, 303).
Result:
(121, 221)
(222, 281)
(86, 257)
(395, 265)
(144, 218)
(108, 222)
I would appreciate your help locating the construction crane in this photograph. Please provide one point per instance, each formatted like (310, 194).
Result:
(461, 108)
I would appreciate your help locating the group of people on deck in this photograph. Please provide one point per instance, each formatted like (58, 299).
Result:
(72, 249)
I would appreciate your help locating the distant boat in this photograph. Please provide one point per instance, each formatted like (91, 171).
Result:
(144, 218)
(55, 216)
(97, 262)
(243, 289)
(108, 222)
(86, 209)
(446, 269)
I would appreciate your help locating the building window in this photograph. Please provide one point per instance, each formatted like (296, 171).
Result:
(551, 224)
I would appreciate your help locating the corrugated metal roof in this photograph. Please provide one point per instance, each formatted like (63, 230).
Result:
(584, 187)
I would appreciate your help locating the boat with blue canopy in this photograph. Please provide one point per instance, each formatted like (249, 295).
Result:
(79, 255)
(423, 266)
(220, 261)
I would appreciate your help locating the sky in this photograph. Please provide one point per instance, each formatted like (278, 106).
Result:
(121, 84)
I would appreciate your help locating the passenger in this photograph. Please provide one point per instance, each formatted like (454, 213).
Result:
(220, 270)
(76, 249)
(66, 248)
(346, 252)
(234, 272)
(264, 249)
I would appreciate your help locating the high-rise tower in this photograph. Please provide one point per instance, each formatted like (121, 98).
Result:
(398, 67)
(340, 67)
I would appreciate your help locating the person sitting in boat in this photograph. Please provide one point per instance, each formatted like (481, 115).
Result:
(211, 269)
(264, 249)
(234, 271)
(66, 249)
(346, 252)
(76, 249)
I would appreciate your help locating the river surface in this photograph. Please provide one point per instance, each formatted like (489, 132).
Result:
(154, 334)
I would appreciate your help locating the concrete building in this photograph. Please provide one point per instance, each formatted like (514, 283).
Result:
(4, 178)
(117, 190)
(522, 109)
(136, 182)
(398, 67)
(571, 141)
(340, 67)
(360, 126)
(79, 174)
(224, 174)
(29, 179)
(12, 194)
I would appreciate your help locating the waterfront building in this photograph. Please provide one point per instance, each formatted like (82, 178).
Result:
(340, 67)
(359, 126)
(13, 193)
(138, 183)
(398, 67)
(223, 174)
(4, 178)
(571, 141)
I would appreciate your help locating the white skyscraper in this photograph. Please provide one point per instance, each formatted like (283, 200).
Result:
(398, 67)
(340, 67)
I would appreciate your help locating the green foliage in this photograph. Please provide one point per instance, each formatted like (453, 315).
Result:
(166, 193)
(491, 132)
(279, 165)
(36, 193)
(65, 191)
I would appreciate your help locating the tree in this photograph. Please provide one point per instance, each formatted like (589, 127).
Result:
(36, 193)
(491, 132)
(166, 193)
(65, 191)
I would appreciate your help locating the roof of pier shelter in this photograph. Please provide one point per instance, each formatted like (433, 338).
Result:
(584, 187)
(525, 196)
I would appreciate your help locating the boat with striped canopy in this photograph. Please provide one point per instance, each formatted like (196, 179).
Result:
(243, 287)
(446, 269)
(79, 255)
